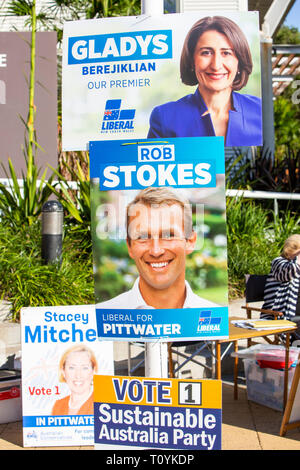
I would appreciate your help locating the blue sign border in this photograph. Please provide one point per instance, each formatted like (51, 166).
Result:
(162, 324)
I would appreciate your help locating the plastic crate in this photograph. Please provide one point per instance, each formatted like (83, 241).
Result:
(265, 385)
(10, 396)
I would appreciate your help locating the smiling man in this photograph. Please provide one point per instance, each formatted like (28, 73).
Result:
(159, 237)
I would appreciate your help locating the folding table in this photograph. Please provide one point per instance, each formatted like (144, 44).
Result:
(237, 334)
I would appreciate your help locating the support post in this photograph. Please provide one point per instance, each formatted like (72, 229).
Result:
(156, 354)
(156, 360)
(152, 7)
(267, 94)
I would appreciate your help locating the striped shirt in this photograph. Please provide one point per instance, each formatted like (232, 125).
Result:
(282, 287)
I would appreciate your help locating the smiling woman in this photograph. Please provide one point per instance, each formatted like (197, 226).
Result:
(77, 367)
(216, 57)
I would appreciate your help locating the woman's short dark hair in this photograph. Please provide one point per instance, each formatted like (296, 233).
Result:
(235, 36)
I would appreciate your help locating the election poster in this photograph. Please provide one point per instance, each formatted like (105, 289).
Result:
(161, 77)
(142, 413)
(60, 355)
(159, 239)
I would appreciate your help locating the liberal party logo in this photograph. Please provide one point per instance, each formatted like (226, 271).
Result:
(208, 323)
(115, 118)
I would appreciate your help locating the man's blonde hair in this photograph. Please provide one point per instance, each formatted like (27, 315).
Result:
(155, 197)
(291, 246)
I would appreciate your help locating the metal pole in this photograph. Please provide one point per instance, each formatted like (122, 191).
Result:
(156, 360)
(156, 354)
(52, 232)
(267, 94)
(152, 7)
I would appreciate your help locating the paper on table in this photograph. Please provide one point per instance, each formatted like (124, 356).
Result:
(262, 324)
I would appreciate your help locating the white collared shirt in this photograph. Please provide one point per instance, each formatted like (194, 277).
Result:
(133, 299)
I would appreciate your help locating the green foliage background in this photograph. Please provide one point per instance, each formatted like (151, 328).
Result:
(25, 281)
(255, 236)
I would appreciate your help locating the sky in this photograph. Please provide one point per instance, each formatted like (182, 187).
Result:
(293, 18)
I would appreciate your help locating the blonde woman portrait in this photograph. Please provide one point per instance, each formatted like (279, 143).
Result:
(76, 368)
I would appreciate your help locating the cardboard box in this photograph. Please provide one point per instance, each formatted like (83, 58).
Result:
(264, 385)
(10, 396)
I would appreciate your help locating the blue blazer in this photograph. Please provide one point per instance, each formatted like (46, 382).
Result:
(184, 118)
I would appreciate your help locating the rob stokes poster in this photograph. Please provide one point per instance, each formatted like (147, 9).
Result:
(159, 239)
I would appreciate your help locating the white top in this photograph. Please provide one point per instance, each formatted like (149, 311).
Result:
(133, 299)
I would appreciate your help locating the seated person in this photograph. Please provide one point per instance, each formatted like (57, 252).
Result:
(282, 285)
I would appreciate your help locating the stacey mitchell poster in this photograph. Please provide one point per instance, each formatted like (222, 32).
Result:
(60, 355)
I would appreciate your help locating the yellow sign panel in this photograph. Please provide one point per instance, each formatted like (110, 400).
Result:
(158, 413)
(166, 392)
